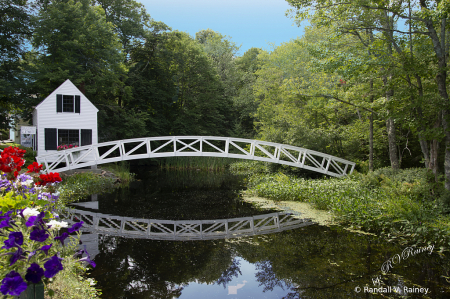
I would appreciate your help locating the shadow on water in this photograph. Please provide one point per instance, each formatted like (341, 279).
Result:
(309, 262)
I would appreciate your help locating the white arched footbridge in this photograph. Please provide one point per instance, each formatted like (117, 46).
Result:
(207, 146)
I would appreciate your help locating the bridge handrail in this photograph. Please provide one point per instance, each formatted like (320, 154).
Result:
(89, 154)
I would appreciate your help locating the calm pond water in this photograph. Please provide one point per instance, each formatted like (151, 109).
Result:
(309, 262)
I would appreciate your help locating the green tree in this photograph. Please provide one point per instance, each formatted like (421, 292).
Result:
(74, 41)
(176, 83)
(222, 51)
(130, 19)
(15, 28)
(425, 19)
(244, 102)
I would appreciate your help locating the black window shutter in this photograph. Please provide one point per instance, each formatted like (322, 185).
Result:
(59, 103)
(77, 104)
(86, 137)
(50, 139)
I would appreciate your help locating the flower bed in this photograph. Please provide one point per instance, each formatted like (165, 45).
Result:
(35, 239)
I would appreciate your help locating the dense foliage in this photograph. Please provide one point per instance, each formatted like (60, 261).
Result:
(404, 205)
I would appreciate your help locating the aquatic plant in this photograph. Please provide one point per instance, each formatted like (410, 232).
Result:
(402, 206)
(201, 163)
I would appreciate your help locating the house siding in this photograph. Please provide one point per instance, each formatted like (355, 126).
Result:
(45, 116)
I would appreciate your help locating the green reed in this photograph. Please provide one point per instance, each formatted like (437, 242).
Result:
(201, 163)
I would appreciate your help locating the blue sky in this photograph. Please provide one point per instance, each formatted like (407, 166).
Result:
(249, 23)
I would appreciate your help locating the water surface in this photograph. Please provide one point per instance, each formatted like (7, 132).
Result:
(309, 262)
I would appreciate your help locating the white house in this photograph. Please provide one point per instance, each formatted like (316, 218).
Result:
(65, 117)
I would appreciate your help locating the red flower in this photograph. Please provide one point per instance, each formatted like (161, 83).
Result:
(49, 178)
(34, 167)
(11, 160)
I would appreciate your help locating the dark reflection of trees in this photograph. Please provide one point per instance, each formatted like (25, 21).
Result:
(267, 277)
(312, 262)
(227, 276)
(322, 262)
(133, 268)
(180, 195)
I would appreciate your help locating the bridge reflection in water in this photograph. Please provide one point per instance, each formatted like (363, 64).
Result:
(182, 230)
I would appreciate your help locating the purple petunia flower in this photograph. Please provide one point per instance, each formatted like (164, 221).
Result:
(6, 214)
(48, 196)
(35, 220)
(13, 284)
(15, 256)
(5, 223)
(24, 177)
(5, 184)
(31, 254)
(52, 266)
(62, 238)
(15, 239)
(75, 227)
(38, 235)
(34, 273)
(46, 248)
(5, 219)
(87, 258)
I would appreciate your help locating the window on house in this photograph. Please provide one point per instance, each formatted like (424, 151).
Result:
(66, 137)
(68, 104)
(57, 137)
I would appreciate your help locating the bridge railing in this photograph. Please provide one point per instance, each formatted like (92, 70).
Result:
(185, 229)
(211, 146)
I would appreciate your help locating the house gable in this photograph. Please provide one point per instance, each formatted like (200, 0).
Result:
(67, 88)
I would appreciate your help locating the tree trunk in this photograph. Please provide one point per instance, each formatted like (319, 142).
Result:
(371, 130)
(445, 115)
(424, 148)
(440, 49)
(390, 127)
(371, 142)
(422, 140)
(434, 151)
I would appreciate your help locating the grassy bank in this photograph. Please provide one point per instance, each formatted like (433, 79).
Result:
(404, 206)
(121, 171)
(79, 185)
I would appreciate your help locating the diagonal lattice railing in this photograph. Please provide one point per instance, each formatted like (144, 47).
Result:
(185, 229)
(172, 146)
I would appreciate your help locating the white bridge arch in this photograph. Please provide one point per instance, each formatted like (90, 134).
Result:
(208, 146)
